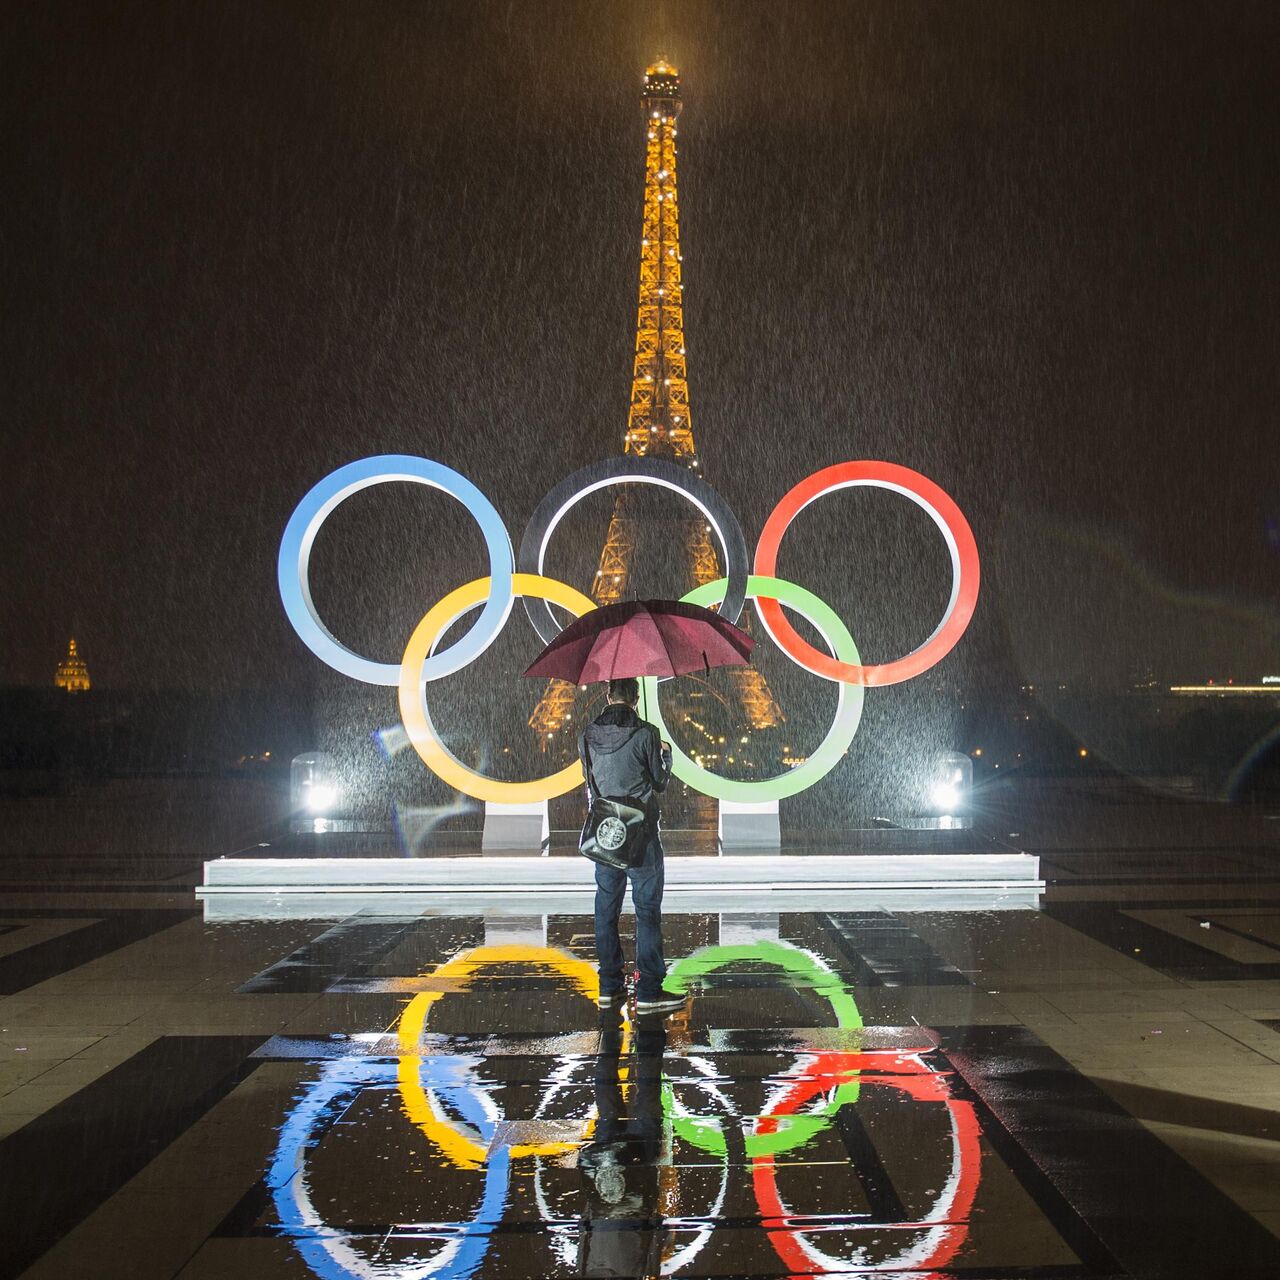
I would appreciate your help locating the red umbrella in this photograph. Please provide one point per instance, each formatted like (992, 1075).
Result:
(642, 638)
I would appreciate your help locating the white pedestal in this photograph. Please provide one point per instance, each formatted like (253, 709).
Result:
(508, 827)
(749, 826)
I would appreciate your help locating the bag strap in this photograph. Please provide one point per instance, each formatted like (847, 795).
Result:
(595, 786)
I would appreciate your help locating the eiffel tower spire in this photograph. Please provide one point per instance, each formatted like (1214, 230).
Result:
(659, 423)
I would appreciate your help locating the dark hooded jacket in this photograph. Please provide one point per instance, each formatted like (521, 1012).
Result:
(627, 759)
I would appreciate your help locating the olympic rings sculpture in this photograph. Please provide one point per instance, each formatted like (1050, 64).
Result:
(510, 576)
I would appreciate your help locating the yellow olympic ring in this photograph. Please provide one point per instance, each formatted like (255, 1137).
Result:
(413, 694)
(465, 1152)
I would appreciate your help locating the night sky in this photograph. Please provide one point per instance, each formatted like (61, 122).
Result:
(1029, 249)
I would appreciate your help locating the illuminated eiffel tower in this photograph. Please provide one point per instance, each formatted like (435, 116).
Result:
(659, 425)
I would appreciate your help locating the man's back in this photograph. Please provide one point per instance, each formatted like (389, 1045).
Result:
(624, 755)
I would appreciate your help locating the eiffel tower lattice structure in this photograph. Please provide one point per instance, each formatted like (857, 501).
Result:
(659, 425)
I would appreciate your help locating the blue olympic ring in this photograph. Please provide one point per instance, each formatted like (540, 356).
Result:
(293, 566)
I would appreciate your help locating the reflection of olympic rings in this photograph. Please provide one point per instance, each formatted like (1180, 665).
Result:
(464, 1149)
(707, 1133)
(700, 1225)
(468, 1145)
(442, 1098)
(330, 1253)
(843, 727)
(943, 1229)
(964, 570)
(805, 1102)
(792, 960)
(496, 594)
(462, 1120)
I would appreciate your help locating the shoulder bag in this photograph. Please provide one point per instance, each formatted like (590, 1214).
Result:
(615, 830)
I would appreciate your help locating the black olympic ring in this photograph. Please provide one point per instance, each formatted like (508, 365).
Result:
(599, 475)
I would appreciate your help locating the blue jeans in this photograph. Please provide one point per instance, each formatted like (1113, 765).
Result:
(646, 897)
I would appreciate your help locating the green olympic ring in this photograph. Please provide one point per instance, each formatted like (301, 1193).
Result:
(707, 1134)
(849, 699)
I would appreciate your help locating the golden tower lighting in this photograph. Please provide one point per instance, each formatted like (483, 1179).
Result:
(659, 423)
(72, 674)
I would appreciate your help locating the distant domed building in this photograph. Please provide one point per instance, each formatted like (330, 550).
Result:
(72, 674)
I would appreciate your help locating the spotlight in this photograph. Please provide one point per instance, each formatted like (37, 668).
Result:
(947, 789)
(314, 792)
(945, 797)
(321, 798)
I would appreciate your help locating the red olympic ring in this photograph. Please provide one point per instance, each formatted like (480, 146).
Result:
(964, 570)
(950, 1221)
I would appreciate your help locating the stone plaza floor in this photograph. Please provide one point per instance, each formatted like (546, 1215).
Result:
(1090, 1089)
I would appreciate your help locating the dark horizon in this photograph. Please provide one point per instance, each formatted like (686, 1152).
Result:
(1030, 253)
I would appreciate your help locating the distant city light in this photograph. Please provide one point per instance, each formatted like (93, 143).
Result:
(1270, 685)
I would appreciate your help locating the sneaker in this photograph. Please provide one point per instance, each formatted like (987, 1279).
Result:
(666, 1002)
(610, 999)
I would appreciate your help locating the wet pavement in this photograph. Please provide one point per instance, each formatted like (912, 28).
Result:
(1087, 1090)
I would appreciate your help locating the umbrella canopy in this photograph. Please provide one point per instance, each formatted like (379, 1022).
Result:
(642, 638)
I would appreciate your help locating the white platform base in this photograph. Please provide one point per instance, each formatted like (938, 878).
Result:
(249, 888)
(307, 905)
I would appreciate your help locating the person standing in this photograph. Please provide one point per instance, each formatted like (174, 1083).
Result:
(627, 760)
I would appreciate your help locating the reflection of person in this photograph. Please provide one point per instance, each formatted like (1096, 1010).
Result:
(622, 1231)
(627, 760)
